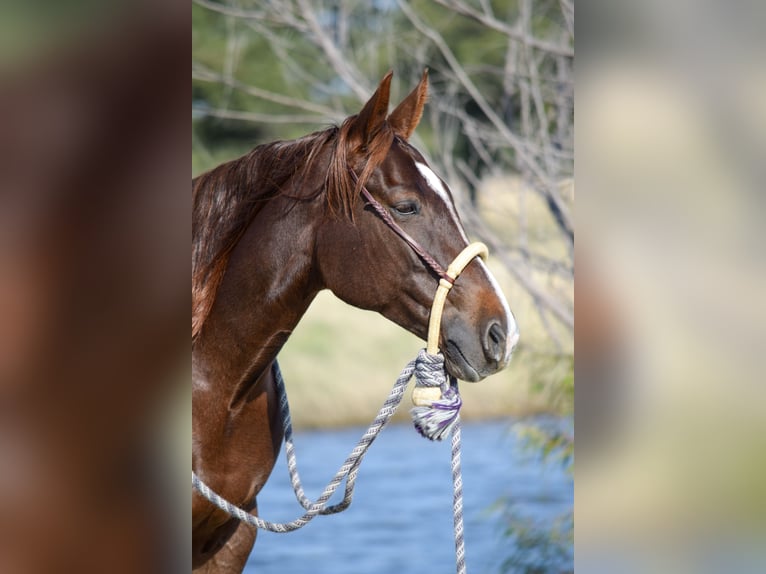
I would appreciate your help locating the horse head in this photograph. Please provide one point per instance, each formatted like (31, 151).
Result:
(363, 262)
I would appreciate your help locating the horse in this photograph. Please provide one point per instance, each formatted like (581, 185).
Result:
(272, 229)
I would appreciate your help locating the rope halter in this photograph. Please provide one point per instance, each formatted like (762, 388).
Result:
(435, 396)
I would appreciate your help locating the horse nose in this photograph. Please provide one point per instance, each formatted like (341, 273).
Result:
(495, 342)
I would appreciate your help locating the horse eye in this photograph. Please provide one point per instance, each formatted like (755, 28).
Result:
(406, 208)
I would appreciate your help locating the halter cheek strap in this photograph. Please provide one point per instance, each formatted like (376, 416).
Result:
(406, 237)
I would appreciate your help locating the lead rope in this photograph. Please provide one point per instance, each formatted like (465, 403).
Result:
(436, 414)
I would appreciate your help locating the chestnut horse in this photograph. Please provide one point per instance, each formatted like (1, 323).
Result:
(273, 228)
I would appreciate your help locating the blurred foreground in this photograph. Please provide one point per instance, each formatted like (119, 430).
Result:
(671, 401)
(94, 227)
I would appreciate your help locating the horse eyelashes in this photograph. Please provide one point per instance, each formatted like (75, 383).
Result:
(407, 208)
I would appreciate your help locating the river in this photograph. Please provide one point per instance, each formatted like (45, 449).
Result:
(401, 518)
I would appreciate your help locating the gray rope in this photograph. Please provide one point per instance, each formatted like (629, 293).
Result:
(457, 499)
(436, 420)
(433, 423)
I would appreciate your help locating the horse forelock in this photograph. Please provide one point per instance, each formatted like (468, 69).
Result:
(227, 198)
(342, 193)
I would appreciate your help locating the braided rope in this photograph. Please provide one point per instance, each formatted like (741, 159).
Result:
(347, 471)
(435, 415)
(457, 499)
(424, 366)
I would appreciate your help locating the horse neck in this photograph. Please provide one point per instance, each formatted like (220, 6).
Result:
(267, 288)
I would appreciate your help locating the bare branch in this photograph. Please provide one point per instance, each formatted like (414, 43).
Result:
(334, 55)
(228, 10)
(282, 50)
(493, 23)
(519, 270)
(547, 185)
(203, 74)
(260, 118)
(567, 8)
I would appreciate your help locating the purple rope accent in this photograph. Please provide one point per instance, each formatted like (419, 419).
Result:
(436, 421)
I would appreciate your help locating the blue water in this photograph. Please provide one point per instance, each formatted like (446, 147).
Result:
(401, 518)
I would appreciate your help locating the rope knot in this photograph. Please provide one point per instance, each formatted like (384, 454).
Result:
(429, 370)
(436, 397)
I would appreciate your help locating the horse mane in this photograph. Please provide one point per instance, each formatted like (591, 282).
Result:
(226, 199)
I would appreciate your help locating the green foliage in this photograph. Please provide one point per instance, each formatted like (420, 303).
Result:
(553, 376)
(553, 445)
(558, 444)
(540, 550)
(537, 548)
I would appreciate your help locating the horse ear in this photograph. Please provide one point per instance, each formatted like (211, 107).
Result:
(406, 117)
(373, 114)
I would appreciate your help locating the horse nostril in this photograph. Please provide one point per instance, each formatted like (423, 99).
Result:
(494, 342)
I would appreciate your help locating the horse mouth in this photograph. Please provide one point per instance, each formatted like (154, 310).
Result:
(457, 364)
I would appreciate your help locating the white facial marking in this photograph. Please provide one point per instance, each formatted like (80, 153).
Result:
(435, 183)
(433, 180)
(512, 335)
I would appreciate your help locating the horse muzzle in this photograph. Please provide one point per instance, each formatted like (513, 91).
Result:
(471, 358)
(471, 355)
